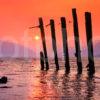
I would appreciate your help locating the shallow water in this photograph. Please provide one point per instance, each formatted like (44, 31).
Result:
(27, 82)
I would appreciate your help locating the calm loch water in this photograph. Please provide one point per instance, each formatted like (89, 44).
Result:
(27, 82)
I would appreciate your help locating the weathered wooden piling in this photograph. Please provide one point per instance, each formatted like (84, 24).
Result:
(42, 60)
(88, 24)
(77, 41)
(52, 24)
(65, 44)
(43, 42)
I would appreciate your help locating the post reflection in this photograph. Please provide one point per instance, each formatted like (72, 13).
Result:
(66, 88)
(77, 87)
(59, 86)
(45, 89)
(90, 84)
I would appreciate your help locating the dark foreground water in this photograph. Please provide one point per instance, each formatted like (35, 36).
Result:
(27, 82)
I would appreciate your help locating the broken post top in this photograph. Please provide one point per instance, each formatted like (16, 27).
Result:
(63, 22)
(88, 13)
(42, 29)
(74, 9)
(74, 12)
(75, 23)
(88, 22)
(52, 23)
(40, 22)
(41, 53)
(88, 16)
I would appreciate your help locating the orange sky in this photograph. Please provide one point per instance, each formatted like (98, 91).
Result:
(17, 15)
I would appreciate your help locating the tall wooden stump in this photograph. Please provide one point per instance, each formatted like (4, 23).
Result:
(65, 44)
(42, 60)
(43, 42)
(54, 43)
(77, 42)
(88, 24)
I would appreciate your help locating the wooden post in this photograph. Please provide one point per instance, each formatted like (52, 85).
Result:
(88, 24)
(77, 42)
(42, 60)
(54, 43)
(65, 44)
(43, 42)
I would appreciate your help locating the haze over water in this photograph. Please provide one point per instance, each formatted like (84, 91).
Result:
(27, 82)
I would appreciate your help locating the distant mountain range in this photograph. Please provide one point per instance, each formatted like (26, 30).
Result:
(96, 49)
(9, 49)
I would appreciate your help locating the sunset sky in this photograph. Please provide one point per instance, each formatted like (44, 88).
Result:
(17, 15)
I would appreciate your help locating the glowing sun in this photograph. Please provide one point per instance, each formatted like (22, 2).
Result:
(37, 37)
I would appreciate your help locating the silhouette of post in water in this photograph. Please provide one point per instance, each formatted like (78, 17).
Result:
(42, 60)
(43, 42)
(65, 44)
(77, 42)
(88, 24)
(54, 43)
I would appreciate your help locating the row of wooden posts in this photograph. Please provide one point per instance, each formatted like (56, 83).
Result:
(44, 56)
